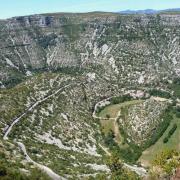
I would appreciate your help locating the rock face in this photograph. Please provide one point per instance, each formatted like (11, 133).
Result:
(136, 49)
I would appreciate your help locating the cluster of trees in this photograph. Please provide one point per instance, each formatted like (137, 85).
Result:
(120, 99)
(13, 80)
(178, 112)
(170, 133)
(115, 100)
(176, 81)
(73, 31)
(46, 41)
(99, 109)
(130, 152)
(109, 139)
(175, 87)
(158, 132)
(10, 171)
(167, 160)
(119, 171)
(163, 94)
(69, 70)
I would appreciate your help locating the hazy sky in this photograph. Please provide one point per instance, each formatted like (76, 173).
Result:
(9, 8)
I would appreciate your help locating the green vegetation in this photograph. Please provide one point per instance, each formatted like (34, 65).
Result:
(118, 171)
(159, 93)
(167, 118)
(178, 112)
(107, 125)
(165, 140)
(123, 149)
(13, 79)
(73, 31)
(109, 139)
(9, 172)
(167, 160)
(37, 122)
(59, 164)
(172, 142)
(175, 86)
(46, 41)
(14, 99)
(113, 109)
(127, 150)
(114, 106)
(136, 151)
(112, 138)
(69, 70)
(120, 99)
(12, 168)
(123, 52)
(172, 130)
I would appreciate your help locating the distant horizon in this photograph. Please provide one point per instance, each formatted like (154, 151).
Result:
(88, 12)
(14, 8)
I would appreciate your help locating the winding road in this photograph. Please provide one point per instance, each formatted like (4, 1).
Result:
(48, 171)
(51, 174)
(139, 170)
(5, 137)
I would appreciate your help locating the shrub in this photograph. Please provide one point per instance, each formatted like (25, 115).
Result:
(176, 81)
(173, 129)
(156, 92)
(167, 160)
(34, 151)
(109, 139)
(3, 171)
(165, 140)
(117, 169)
(120, 99)
(108, 116)
(178, 112)
(170, 133)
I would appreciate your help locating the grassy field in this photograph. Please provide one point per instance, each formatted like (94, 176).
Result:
(112, 110)
(111, 124)
(107, 125)
(173, 143)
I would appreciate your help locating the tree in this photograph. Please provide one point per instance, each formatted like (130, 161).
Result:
(165, 140)
(108, 116)
(119, 172)
(109, 138)
(178, 112)
(115, 165)
(3, 171)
